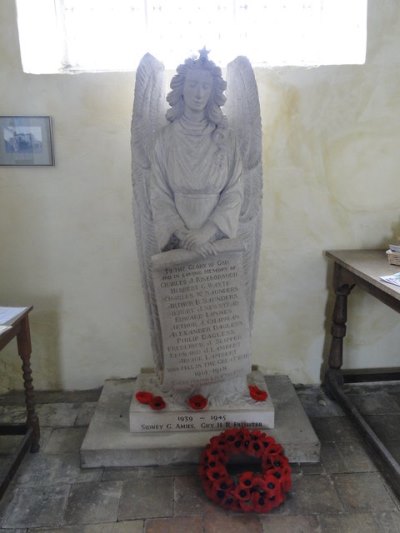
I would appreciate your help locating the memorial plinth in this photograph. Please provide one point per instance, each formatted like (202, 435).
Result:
(109, 443)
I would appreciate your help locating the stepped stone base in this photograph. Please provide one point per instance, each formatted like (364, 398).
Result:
(109, 443)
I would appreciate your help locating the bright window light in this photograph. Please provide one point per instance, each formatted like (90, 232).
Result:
(112, 35)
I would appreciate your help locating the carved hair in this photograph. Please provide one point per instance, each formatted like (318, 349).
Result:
(213, 112)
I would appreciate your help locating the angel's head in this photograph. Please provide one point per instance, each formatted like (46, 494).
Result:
(198, 86)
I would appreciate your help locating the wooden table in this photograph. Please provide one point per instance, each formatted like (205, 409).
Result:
(30, 430)
(361, 268)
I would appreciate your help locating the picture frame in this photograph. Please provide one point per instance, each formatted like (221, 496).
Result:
(26, 141)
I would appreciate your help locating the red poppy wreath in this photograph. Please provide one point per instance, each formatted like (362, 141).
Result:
(248, 491)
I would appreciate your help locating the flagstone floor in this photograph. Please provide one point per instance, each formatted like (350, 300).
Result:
(343, 493)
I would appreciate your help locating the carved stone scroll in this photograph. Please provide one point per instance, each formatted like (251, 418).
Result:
(203, 315)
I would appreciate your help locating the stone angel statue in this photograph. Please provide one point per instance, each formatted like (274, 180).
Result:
(197, 171)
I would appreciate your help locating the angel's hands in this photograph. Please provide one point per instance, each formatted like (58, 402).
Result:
(206, 249)
(199, 237)
(181, 234)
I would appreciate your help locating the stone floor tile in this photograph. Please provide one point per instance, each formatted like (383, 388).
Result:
(3, 462)
(8, 443)
(345, 457)
(146, 498)
(120, 473)
(296, 468)
(44, 469)
(363, 491)
(388, 522)
(76, 396)
(311, 494)
(57, 414)
(349, 523)
(65, 440)
(355, 457)
(316, 403)
(132, 526)
(169, 470)
(45, 433)
(335, 429)
(219, 522)
(43, 506)
(189, 497)
(376, 403)
(290, 524)
(93, 503)
(85, 413)
(395, 393)
(367, 387)
(12, 414)
(312, 468)
(179, 524)
(331, 458)
(385, 426)
(394, 447)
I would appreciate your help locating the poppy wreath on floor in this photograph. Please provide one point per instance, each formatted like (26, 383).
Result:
(248, 491)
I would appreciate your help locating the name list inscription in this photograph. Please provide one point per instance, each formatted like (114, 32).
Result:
(204, 320)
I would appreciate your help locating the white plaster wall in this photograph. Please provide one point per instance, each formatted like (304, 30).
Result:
(66, 232)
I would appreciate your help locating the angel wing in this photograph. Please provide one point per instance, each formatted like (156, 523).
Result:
(147, 118)
(243, 111)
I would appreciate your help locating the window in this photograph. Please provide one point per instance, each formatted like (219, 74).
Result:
(97, 35)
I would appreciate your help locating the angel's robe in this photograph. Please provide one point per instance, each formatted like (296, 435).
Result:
(194, 181)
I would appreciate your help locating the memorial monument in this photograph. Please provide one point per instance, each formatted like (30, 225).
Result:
(197, 182)
(197, 179)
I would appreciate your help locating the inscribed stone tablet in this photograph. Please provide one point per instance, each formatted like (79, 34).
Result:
(203, 315)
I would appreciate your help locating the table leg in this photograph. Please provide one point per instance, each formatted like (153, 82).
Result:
(24, 350)
(338, 328)
(343, 287)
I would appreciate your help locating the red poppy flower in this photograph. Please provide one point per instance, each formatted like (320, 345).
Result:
(218, 443)
(144, 396)
(261, 503)
(197, 402)
(221, 490)
(216, 473)
(246, 480)
(286, 480)
(276, 460)
(211, 460)
(256, 448)
(273, 487)
(241, 493)
(259, 395)
(226, 483)
(157, 403)
(229, 436)
(267, 441)
(246, 506)
(214, 453)
(228, 502)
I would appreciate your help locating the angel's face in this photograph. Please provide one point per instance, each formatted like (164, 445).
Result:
(197, 89)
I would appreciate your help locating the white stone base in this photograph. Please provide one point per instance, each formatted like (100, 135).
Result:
(109, 443)
(177, 416)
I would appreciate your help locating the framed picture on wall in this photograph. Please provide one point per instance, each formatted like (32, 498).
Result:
(26, 141)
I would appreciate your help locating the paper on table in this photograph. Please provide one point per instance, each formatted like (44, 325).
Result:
(393, 278)
(9, 313)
